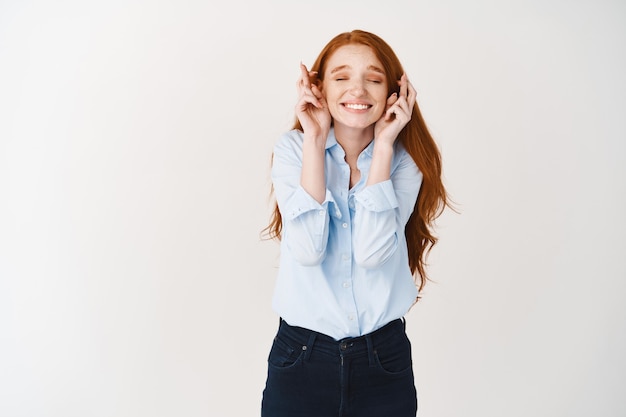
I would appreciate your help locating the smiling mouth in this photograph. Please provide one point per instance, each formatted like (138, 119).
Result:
(355, 106)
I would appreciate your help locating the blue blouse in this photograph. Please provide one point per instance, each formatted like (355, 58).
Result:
(344, 267)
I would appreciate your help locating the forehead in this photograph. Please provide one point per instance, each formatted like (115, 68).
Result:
(353, 56)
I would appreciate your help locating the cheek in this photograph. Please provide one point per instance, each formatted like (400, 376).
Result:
(382, 93)
(379, 114)
(328, 93)
(382, 97)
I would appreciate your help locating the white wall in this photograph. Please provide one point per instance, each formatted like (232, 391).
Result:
(134, 157)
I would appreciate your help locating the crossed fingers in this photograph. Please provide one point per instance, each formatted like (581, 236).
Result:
(309, 93)
(401, 106)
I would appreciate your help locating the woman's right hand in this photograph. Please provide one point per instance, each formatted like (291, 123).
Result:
(312, 109)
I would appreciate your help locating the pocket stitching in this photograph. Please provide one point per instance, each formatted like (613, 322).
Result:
(380, 366)
(285, 347)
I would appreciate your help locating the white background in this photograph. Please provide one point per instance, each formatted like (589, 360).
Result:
(135, 141)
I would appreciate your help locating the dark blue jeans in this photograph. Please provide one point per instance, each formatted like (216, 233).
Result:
(313, 375)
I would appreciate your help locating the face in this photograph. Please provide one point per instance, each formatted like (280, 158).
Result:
(355, 87)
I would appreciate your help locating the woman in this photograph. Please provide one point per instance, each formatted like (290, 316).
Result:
(358, 187)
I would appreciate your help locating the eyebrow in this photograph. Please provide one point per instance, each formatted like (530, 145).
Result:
(370, 68)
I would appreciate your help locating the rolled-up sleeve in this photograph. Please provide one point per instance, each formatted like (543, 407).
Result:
(381, 213)
(305, 221)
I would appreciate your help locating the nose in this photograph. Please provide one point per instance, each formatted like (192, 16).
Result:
(357, 87)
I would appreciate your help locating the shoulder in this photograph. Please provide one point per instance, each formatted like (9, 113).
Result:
(403, 163)
(401, 155)
(290, 141)
(288, 148)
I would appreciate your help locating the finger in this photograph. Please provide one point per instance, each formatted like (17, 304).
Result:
(318, 94)
(407, 93)
(320, 101)
(308, 97)
(412, 95)
(304, 76)
(403, 85)
(406, 110)
(392, 112)
(402, 102)
(301, 86)
(305, 92)
(304, 84)
(401, 110)
(316, 91)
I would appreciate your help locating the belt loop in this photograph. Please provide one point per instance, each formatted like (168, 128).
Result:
(370, 350)
(309, 346)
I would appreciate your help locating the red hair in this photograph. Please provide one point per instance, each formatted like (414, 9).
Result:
(417, 141)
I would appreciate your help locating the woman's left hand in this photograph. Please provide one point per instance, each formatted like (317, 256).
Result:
(397, 113)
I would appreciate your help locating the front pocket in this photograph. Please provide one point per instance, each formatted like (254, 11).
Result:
(282, 355)
(394, 358)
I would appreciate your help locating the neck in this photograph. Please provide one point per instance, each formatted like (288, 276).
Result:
(354, 140)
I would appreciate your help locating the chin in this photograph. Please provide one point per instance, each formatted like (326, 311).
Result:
(356, 124)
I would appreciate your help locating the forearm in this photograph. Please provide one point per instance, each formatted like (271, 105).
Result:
(383, 209)
(375, 237)
(312, 178)
(380, 170)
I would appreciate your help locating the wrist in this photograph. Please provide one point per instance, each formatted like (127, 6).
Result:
(315, 140)
(383, 147)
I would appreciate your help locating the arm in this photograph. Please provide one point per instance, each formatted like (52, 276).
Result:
(305, 220)
(312, 112)
(387, 129)
(299, 178)
(385, 205)
(382, 211)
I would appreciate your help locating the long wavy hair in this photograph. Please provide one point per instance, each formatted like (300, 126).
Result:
(417, 140)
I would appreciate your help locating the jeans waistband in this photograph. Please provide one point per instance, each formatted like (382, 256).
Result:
(359, 345)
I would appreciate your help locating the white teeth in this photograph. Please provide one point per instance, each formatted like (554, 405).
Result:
(357, 106)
